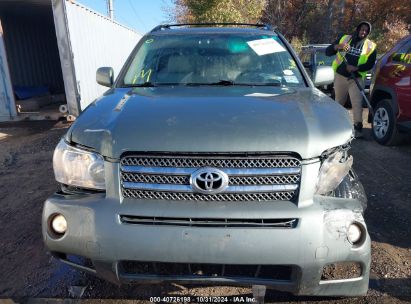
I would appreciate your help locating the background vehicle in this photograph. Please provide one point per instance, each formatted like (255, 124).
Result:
(313, 56)
(391, 93)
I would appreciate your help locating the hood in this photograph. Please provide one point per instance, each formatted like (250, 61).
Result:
(212, 119)
(358, 28)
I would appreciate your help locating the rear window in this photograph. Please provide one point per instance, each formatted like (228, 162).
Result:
(209, 59)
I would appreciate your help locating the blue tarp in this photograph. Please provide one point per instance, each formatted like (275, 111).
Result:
(30, 92)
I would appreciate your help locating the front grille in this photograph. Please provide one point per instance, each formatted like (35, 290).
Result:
(209, 222)
(192, 271)
(250, 177)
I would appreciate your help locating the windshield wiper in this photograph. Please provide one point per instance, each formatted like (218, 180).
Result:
(146, 84)
(218, 83)
(223, 82)
(268, 84)
(232, 83)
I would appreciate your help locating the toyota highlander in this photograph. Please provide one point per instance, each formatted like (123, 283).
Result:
(212, 157)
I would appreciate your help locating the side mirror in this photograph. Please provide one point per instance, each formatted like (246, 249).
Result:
(324, 75)
(105, 76)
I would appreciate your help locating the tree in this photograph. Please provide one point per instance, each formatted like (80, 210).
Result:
(322, 21)
(340, 21)
(202, 11)
(286, 15)
(329, 20)
(304, 21)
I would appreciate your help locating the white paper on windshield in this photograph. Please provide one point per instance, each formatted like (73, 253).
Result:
(265, 46)
(291, 79)
(261, 95)
(288, 72)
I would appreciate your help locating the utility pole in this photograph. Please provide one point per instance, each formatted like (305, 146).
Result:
(110, 9)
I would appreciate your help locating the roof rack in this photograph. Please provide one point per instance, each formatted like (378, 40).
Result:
(168, 26)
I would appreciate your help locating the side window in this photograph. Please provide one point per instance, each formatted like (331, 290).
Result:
(322, 59)
(406, 47)
(403, 55)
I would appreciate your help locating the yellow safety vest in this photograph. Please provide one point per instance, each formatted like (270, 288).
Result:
(367, 48)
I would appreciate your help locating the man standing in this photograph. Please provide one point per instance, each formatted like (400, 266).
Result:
(360, 55)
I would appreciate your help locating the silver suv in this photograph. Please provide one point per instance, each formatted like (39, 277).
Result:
(212, 158)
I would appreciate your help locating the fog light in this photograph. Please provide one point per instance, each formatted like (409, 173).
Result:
(59, 224)
(354, 233)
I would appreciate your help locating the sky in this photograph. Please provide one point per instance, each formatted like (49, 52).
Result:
(140, 15)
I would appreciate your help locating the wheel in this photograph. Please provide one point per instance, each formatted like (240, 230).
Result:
(384, 127)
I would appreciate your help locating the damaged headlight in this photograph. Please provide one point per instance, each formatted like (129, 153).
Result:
(78, 167)
(335, 166)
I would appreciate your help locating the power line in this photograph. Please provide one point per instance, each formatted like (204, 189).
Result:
(135, 12)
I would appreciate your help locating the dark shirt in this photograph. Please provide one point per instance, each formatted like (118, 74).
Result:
(352, 56)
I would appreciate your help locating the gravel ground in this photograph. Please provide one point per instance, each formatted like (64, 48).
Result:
(29, 274)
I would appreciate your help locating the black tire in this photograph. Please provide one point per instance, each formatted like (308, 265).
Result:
(384, 124)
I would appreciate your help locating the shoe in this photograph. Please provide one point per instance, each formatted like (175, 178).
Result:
(358, 130)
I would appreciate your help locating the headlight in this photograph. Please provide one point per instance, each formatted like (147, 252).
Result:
(335, 167)
(77, 167)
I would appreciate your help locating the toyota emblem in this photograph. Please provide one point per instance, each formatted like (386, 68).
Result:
(209, 181)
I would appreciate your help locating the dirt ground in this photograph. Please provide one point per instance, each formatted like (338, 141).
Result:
(29, 274)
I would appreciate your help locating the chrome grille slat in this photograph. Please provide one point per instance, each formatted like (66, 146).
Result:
(181, 196)
(229, 189)
(234, 180)
(264, 180)
(157, 187)
(250, 177)
(230, 171)
(207, 161)
(152, 179)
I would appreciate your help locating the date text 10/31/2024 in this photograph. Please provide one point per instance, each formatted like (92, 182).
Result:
(203, 299)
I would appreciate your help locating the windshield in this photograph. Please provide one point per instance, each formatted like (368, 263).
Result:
(323, 59)
(218, 59)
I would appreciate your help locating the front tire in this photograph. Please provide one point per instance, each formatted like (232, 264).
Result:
(384, 124)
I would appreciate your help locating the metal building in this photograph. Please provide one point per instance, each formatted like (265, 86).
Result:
(54, 47)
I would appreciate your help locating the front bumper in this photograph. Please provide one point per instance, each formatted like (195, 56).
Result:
(96, 232)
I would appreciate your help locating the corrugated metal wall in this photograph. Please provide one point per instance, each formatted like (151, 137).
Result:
(96, 41)
(31, 47)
